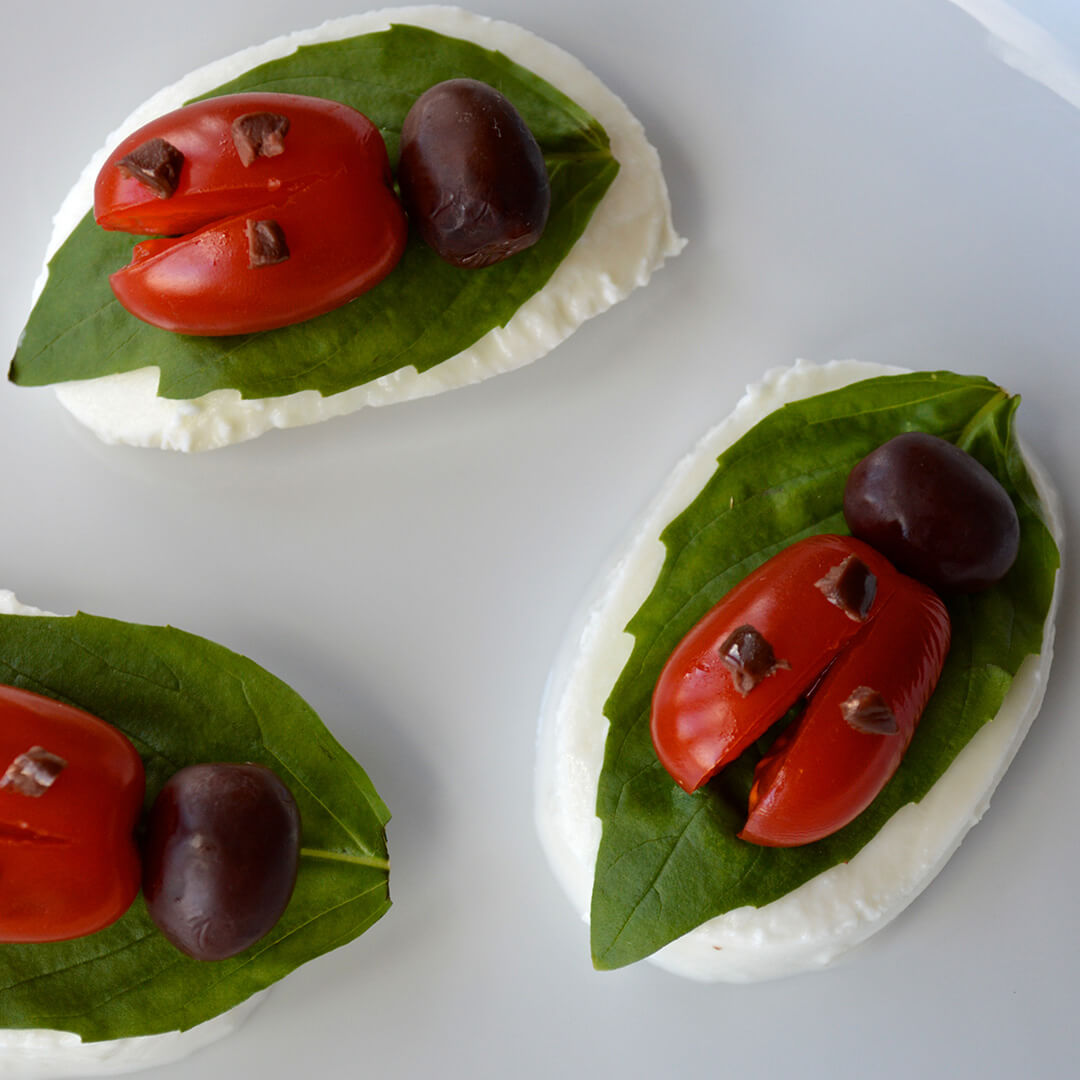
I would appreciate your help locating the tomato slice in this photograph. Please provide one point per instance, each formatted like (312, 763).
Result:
(829, 766)
(71, 789)
(701, 720)
(824, 618)
(326, 187)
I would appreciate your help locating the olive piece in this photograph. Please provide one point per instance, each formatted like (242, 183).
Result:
(472, 176)
(934, 511)
(220, 859)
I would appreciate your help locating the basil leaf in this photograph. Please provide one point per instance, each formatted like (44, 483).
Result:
(183, 700)
(669, 861)
(424, 312)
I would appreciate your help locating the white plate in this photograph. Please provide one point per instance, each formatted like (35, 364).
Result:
(854, 179)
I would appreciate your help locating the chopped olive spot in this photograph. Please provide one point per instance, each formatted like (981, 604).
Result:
(155, 163)
(266, 243)
(33, 772)
(851, 586)
(866, 710)
(749, 658)
(259, 135)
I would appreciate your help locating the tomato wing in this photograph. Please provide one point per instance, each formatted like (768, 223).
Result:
(68, 860)
(702, 719)
(825, 770)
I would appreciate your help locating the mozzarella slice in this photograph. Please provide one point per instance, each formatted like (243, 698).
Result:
(41, 1054)
(628, 237)
(817, 922)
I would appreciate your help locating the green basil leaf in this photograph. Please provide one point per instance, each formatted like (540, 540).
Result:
(424, 312)
(669, 861)
(183, 700)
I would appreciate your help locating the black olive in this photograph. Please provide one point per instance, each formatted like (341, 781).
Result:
(934, 511)
(220, 859)
(472, 176)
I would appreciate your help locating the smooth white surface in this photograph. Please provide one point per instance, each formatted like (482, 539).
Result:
(855, 180)
(811, 926)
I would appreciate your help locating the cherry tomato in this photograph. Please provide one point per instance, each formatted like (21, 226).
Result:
(275, 208)
(828, 618)
(829, 766)
(71, 789)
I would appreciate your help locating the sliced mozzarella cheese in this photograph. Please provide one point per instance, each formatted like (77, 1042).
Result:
(628, 237)
(41, 1054)
(812, 925)
(44, 1054)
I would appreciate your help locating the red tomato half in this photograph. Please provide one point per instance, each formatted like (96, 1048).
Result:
(71, 789)
(843, 628)
(327, 189)
(823, 772)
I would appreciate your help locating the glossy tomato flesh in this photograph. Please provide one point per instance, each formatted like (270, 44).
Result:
(821, 772)
(68, 861)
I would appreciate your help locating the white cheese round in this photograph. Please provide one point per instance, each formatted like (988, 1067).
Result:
(812, 925)
(44, 1054)
(628, 237)
(41, 1054)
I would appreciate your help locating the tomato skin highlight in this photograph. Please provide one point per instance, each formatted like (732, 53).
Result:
(700, 721)
(823, 772)
(330, 190)
(68, 861)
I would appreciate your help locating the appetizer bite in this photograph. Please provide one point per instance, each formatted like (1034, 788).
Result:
(764, 737)
(258, 842)
(284, 290)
